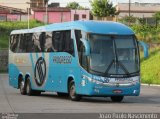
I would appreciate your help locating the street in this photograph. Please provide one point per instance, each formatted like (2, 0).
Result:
(11, 101)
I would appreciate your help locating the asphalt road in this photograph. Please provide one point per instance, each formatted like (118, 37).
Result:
(11, 101)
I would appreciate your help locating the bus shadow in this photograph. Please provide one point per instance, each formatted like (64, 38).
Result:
(54, 96)
(131, 100)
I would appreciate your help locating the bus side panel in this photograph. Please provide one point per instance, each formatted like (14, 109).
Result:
(36, 62)
(13, 71)
(61, 67)
(13, 75)
(57, 81)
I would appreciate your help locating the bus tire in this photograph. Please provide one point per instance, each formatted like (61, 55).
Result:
(62, 94)
(22, 87)
(36, 92)
(72, 92)
(29, 90)
(117, 98)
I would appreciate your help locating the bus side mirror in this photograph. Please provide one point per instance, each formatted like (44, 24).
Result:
(145, 48)
(87, 46)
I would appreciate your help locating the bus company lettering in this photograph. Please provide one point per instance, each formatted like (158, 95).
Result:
(62, 59)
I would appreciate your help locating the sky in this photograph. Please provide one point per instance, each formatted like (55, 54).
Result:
(85, 3)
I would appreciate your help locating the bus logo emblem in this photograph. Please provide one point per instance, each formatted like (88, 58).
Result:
(40, 71)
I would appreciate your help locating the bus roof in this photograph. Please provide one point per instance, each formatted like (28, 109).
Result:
(98, 27)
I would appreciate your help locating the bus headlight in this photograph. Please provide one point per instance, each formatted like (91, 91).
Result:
(92, 80)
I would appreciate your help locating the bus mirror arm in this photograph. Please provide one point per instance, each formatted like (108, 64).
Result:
(87, 46)
(145, 48)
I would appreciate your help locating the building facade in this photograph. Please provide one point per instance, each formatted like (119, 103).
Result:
(80, 15)
(23, 4)
(54, 15)
(12, 14)
(139, 10)
(19, 4)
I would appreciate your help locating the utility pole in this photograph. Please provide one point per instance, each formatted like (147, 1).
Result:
(46, 4)
(129, 8)
(28, 10)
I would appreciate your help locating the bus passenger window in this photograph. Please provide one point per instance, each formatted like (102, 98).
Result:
(58, 41)
(48, 44)
(78, 37)
(62, 42)
(29, 43)
(36, 43)
(79, 42)
(68, 43)
(14, 43)
(22, 44)
(42, 38)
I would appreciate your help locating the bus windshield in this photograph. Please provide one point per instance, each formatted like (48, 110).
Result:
(113, 55)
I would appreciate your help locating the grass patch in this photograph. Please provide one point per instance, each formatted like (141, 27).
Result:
(4, 40)
(150, 68)
(7, 27)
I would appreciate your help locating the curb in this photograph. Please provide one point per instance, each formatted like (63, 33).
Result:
(4, 74)
(153, 85)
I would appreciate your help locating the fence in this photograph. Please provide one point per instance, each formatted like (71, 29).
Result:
(14, 17)
(3, 60)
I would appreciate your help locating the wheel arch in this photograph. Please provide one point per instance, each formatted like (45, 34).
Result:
(20, 78)
(70, 78)
(26, 77)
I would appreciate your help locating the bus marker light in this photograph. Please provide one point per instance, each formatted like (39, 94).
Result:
(134, 91)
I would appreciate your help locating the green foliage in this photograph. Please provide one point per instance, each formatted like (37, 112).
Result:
(147, 33)
(141, 21)
(102, 8)
(73, 5)
(157, 15)
(150, 68)
(128, 19)
(7, 27)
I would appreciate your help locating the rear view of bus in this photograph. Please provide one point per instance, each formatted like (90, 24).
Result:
(91, 59)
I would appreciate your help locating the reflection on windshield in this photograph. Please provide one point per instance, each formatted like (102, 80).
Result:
(113, 55)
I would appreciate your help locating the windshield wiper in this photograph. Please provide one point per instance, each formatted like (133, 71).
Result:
(109, 67)
(116, 63)
(123, 67)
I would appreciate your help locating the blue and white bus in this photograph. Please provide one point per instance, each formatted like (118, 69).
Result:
(79, 58)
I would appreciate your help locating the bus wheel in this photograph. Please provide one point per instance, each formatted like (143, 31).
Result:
(29, 90)
(22, 88)
(117, 98)
(36, 92)
(62, 94)
(72, 92)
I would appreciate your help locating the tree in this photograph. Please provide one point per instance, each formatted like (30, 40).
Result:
(73, 5)
(103, 8)
(157, 17)
(129, 19)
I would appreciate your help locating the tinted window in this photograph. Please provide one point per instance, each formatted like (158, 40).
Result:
(14, 43)
(62, 42)
(58, 41)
